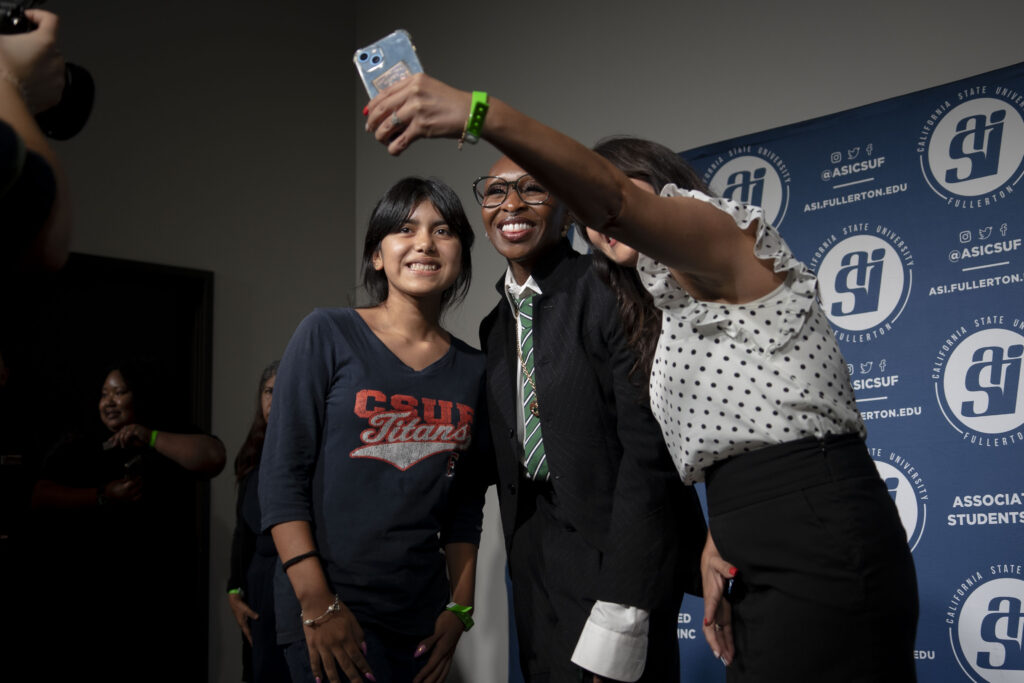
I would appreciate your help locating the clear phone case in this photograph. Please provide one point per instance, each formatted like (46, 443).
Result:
(387, 61)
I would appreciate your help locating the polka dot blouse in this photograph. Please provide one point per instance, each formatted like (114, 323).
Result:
(732, 378)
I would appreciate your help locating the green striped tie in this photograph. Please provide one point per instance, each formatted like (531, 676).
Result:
(533, 444)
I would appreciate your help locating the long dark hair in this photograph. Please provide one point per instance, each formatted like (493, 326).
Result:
(390, 214)
(248, 458)
(658, 166)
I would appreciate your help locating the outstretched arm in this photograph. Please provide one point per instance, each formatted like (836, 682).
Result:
(197, 453)
(688, 235)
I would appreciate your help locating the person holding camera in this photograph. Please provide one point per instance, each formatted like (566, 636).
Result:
(35, 217)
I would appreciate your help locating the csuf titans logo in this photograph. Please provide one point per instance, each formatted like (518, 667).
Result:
(972, 154)
(986, 625)
(978, 382)
(864, 279)
(752, 174)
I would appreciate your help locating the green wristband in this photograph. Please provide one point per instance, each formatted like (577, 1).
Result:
(477, 113)
(235, 591)
(462, 612)
(152, 438)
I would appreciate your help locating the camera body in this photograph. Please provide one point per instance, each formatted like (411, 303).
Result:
(12, 16)
(66, 118)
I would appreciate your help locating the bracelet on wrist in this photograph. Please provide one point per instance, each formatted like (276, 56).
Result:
(463, 612)
(333, 608)
(475, 121)
(152, 438)
(237, 591)
(299, 558)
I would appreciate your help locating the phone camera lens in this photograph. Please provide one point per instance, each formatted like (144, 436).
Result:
(363, 57)
(376, 59)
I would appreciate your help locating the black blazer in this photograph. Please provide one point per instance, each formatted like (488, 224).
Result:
(612, 475)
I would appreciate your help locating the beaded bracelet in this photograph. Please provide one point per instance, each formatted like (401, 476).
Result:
(334, 608)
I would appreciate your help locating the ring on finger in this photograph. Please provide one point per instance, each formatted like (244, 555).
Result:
(395, 121)
(717, 627)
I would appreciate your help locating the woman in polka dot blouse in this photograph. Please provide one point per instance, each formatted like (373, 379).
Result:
(807, 574)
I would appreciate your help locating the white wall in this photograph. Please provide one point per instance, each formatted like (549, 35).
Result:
(226, 137)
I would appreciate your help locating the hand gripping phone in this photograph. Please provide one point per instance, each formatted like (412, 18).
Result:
(387, 61)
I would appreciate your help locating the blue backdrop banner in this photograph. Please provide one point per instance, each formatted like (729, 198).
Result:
(911, 211)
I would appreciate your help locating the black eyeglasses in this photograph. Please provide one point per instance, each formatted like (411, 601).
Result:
(491, 192)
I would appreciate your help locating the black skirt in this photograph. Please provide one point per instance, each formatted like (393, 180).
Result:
(825, 588)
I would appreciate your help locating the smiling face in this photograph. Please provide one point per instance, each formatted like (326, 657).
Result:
(521, 232)
(422, 256)
(117, 407)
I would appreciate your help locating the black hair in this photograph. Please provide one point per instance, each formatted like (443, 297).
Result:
(658, 166)
(651, 162)
(391, 212)
(248, 458)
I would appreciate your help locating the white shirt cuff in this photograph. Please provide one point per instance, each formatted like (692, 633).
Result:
(613, 643)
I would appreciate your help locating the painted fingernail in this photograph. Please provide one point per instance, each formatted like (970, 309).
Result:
(362, 646)
(317, 679)
(717, 656)
(732, 571)
(369, 677)
(420, 650)
(366, 110)
(722, 659)
(708, 623)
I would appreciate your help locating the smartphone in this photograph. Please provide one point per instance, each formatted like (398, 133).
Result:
(387, 61)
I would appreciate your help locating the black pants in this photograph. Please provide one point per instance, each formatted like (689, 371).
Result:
(553, 572)
(826, 589)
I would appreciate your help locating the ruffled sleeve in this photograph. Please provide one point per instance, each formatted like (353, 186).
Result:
(788, 307)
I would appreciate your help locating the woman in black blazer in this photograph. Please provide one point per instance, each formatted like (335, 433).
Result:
(592, 530)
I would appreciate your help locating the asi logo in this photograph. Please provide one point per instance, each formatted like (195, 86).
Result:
(907, 490)
(978, 385)
(752, 175)
(864, 279)
(986, 624)
(972, 154)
